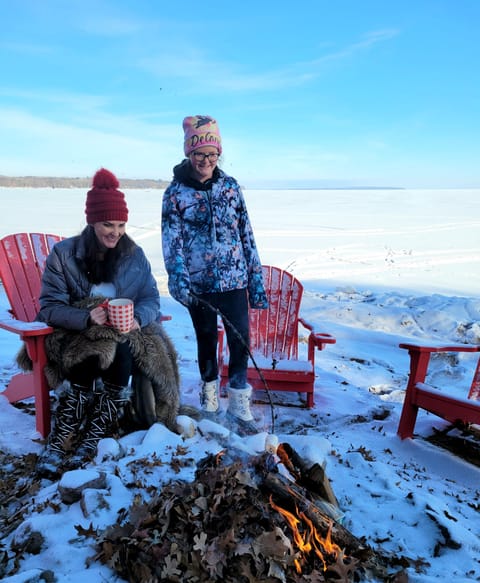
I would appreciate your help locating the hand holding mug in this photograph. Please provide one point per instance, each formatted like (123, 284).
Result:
(99, 315)
(117, 313)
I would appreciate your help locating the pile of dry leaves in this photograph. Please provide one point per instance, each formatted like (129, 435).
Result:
(15, 485)
(221, 527)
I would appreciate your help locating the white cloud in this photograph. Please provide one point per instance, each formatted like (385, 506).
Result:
(204, 72)
(49, 147)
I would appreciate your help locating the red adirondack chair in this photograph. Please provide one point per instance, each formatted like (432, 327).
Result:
(274, 340)
(422, 396)
(22, 261)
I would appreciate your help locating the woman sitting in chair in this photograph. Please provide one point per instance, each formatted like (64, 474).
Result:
(81, 272)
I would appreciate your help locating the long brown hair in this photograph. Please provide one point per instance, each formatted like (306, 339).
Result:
(100, 265)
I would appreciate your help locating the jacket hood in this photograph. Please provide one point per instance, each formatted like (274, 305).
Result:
(182, 174)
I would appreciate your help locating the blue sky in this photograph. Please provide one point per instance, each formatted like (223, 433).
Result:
(306, 92)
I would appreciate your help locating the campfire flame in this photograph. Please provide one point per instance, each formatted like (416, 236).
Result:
(309, 540)
(305, 535)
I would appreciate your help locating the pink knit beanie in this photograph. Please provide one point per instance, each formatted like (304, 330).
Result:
(201, 130)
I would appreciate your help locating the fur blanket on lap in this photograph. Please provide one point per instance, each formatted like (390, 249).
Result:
(155, 381)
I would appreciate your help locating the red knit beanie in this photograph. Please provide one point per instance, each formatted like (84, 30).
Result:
(104, 201)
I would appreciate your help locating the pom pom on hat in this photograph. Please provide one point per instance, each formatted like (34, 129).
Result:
(105, 179)
(200, 131)
(104, 201)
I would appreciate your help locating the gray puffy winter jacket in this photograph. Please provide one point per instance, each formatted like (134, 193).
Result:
(65, 283)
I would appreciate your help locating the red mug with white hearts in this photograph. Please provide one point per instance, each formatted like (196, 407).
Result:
(120, 314)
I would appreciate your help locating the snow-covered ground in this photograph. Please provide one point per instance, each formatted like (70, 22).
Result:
(379, 268)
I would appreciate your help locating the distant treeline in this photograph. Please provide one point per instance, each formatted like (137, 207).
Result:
(61, 182)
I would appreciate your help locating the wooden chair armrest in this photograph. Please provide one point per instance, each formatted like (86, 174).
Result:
(420, 358)
(316, 339)
(39, 328)
(25, 329)
(324, 338)
(421, 348)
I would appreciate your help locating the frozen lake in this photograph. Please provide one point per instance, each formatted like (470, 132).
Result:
(425, 240)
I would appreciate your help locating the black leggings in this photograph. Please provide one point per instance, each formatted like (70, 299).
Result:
(118, 373)
(234, 306)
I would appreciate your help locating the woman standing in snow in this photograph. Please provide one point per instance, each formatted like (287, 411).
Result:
(81, 272)
(212, 263)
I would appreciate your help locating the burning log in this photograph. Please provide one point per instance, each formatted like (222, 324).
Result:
(313, 478)
(307, 496)
(291, 497)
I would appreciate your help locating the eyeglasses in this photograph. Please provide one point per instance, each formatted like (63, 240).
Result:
(200, 156)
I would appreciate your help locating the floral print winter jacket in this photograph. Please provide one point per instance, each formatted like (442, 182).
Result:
(208, 242)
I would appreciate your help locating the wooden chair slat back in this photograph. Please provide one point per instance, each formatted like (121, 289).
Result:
(22, 261)
(274, 331)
